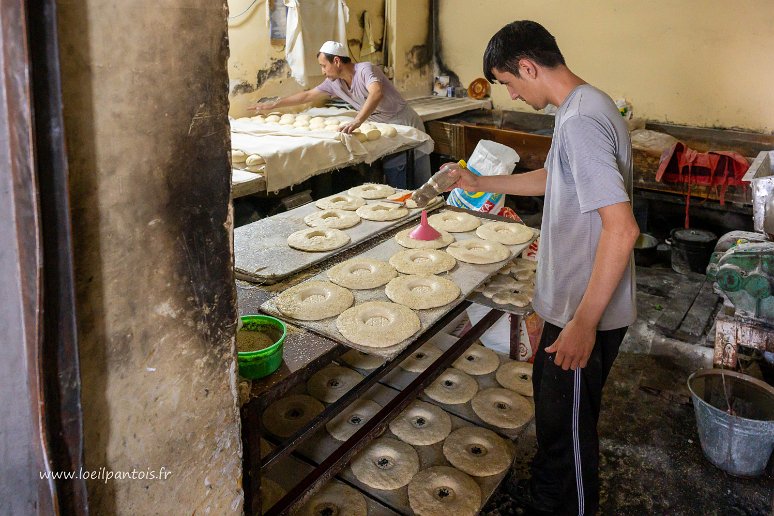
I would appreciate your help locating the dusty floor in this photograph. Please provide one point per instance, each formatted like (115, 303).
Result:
(651, 458)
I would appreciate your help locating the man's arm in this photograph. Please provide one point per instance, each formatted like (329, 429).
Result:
(619, 233)
(291, 100)
(374, 97)
(528, 183)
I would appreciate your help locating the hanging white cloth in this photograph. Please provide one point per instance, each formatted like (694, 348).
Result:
(310, 24)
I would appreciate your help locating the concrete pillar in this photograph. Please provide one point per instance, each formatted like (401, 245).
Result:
(145, 103)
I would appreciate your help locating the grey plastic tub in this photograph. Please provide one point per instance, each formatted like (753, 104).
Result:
(739, 441)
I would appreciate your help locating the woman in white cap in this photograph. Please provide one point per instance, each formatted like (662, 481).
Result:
(367, 89)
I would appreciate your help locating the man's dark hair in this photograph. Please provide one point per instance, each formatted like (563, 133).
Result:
(520, 40)
(330, 57)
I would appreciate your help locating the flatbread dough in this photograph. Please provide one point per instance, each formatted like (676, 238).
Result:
(404, 239)
(421, 358)
(336, 219)
(508, 233)
(382, 211)
(287, 415)
(517, 299)
(516, 376)
(335, 499)
(422, 292)
(378, 324)
(314, 300)
(477, 360)
(444, 491)
(421, 424)
(503, 408)
(386, 463)
(332, 382)
(454, 221)
(371, 190)
(475, 250)
(452, 387)
(340, 202)
(271, 493)
(360, 360)
(318, 239)
(477, 451)
(422, 261)
(362, 273)
(351, 419)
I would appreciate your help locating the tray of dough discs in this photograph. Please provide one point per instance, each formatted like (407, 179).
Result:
(335, 494)
(511, 407)
(261, 250)
(407, 461)
(466, 276)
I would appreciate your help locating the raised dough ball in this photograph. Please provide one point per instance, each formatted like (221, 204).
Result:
(288, 116)
(254, 159)
(260, 119)
(317, 120)
(286, 122)
(389, 131)
(333, 121)
(304, 118)
(272, 119)
(367, 127)
(373, 134)
(361, 136)
(243, 119)
(255, 168)
(238, 156)
(300, 123)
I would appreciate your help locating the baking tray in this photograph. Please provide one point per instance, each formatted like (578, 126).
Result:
(262, 254)
(400, 378)
(467, 276)
(321, 445)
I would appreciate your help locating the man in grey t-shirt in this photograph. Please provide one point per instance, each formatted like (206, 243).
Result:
(585, 288)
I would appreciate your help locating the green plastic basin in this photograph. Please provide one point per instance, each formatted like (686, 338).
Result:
(257, 364)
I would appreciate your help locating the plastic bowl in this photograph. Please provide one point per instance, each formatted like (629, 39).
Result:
(257, 364)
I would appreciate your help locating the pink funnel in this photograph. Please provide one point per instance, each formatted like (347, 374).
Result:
(424, 231)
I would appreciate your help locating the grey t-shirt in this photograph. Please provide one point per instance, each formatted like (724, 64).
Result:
(589, 167)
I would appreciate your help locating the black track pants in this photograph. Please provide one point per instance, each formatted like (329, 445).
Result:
(565, 470)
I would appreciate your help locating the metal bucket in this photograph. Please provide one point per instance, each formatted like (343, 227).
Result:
(735, 417)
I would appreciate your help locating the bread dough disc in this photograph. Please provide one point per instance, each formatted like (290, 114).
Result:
(511, 298)
(452, 387)
(382, 211)
(362, 273)
(349, 420)
(335, 498)
(404, 239)
(332, 382)
(340, 202)
(477, 451)
(378, 324)
(475, 250)
(508, 233)
(421, 358)
(477, 360)
(336, 219)
(271, 493)
(503, 408)
(516, 376)
(454, 221)
(444, 491)
(421, 424)
(318, 239)
(286, 415)
(371, 191)
(386, 463)
(314, 300)
(422, 261)
(361, 360)
(422, 292)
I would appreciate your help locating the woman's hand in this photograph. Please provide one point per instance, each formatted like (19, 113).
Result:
(348, 128)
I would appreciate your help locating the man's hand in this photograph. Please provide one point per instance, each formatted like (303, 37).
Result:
(348, 128)
(574, 345)
(463, 178)
(264, 106)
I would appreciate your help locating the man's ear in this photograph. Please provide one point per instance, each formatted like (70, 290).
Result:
(527, 68)
(336, 61)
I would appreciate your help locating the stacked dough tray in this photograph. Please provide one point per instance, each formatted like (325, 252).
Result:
(466, 276)
(262, 254)
(322, 444)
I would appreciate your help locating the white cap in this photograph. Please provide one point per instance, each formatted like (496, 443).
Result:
(334, 48)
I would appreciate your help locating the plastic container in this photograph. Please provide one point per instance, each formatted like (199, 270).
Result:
(739, 441)
(257, 364)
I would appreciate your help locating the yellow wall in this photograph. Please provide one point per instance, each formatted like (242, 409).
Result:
(252, 53)
(693, 62)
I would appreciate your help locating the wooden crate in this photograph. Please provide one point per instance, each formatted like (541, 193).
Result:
(448, 138)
